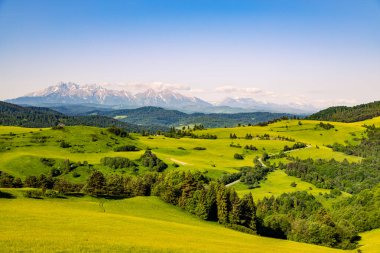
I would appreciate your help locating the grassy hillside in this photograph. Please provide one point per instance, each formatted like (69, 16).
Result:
(126, 224)
(349, 114)
(141, 224)
(22, 148)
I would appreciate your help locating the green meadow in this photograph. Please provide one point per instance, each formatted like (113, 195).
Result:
(147, 224)
(140, 224)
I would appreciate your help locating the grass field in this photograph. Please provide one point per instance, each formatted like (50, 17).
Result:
(23, 147)
(141, 224)
(277, 183)
(146, 224)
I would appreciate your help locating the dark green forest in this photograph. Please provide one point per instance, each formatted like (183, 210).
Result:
(14, 115)
(348, 114)
(159, 116)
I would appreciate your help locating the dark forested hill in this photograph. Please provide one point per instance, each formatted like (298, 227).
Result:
(348, 114)
(15, 115)
(159, 116)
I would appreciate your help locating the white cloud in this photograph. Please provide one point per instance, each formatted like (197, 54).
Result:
(232, 89)
(139, 86)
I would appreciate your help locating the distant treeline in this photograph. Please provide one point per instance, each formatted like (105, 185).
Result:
(348, 114)
(159, 116)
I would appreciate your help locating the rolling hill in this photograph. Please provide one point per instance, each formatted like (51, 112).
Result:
(160, 116)
(26, 152)
(348, 114)
(15, 115)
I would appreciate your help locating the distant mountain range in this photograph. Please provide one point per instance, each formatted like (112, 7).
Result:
(95, 96)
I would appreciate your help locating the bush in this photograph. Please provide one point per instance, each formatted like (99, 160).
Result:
(238, 156)
(34, 194)
(127, 148)
(199, 148)
(64, 144)
(47, 161)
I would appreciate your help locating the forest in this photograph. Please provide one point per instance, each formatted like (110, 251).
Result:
(348, 114)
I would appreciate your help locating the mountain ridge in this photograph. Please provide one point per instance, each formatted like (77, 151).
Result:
(74, 94)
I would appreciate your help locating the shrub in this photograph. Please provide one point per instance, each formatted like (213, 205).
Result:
(238, 156)
(127, 148)
(34, 194)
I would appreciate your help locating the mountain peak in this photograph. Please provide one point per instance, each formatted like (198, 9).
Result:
(71, 93)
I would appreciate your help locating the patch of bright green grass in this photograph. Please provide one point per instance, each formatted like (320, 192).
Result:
(142, 224)
(370, 241)
(278, 182)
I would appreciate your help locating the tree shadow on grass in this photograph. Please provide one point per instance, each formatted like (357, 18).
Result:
(75, 194)
(6, 195)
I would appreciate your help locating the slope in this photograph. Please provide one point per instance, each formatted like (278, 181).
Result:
(141, 224)
(349, 114)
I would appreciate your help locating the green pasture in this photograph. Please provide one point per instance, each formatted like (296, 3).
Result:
(141, 224)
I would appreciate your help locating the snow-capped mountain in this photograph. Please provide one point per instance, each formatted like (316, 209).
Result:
(167, 97)
(71, 93)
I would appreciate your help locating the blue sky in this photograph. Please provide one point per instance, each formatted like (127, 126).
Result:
(306, 51)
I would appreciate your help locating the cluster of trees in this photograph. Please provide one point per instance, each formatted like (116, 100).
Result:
(9, 181)
(148, 159)
(118, 162)
(252, 176)
(64, 144)
(298, 216)
(248, 137)
(250, 147)
(180, 133)
(230, 177)
(296, 145)
(126, 148)
(266, 123)
(233, 136)
(349, 114)
(151, 161)
(238, 156)
(118, 131)
(233, 145)
(326, 126)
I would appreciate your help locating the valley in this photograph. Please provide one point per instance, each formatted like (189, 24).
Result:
(27, 152)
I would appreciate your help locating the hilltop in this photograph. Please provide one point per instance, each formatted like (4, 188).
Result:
(348, 114)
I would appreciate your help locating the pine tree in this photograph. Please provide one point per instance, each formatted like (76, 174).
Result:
(222, 205)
